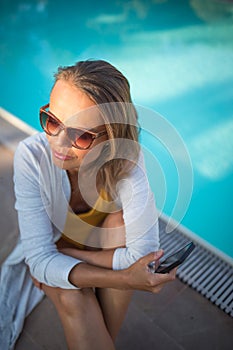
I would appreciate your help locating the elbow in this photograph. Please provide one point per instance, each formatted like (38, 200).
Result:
(37, 268)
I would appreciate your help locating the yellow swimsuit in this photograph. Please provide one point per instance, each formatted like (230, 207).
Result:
(78, 227)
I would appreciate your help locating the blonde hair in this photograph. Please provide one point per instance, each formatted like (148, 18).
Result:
(110, 90)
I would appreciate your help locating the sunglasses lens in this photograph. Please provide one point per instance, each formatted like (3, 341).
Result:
(80, 138)
(49, 124)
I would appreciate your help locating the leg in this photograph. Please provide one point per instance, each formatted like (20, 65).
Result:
(114, 302)
(81, 318)
(80, 315)
(113, 233)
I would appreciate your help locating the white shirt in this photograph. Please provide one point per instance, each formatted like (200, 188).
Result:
(42, 197)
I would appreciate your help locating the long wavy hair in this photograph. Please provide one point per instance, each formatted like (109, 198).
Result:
(109, 89)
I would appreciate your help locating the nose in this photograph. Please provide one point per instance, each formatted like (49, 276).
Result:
(62, 140)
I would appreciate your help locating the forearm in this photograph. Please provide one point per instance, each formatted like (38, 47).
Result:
(101, 258)
(137, 276)
(85, 275)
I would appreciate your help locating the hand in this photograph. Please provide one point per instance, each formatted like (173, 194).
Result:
(140, 277)
(36, 283)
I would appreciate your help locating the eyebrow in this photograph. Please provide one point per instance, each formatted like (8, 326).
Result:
(94, 129)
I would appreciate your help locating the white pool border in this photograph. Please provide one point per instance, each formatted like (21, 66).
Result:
(173, 224)
(17, 123)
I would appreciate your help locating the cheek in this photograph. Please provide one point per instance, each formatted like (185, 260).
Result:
(83, 158)
(91, 155)
(80, 154)
(52, 140)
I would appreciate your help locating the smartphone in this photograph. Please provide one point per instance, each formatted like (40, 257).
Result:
(175, 259)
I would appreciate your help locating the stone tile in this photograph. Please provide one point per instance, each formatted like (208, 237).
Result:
(154, 304)
(11, 135)
(8, 217)
(138, 332)
(194, 322)
(26, 343)
(43, 327)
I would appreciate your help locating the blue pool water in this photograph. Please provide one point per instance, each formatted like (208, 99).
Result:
(178, 58)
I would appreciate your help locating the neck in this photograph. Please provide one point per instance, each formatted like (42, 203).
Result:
(73, 177)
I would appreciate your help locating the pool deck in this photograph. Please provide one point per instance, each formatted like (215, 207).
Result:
(176, 318)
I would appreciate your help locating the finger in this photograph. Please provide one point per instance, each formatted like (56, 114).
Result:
(153, 265)
(172, 273)
(165, 277)
(158, 288)
(153, 256)
(36, 283)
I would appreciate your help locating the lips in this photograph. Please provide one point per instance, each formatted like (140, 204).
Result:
(61, 156)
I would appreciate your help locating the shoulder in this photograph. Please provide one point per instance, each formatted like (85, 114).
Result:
(136, 181)
(32, 157)
(35, 142)
(139, 170)
(33, 147)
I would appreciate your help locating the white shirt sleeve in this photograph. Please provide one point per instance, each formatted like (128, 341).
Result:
(46, 264)
(140, 217)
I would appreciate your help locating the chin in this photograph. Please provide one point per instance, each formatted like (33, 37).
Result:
(66, 165)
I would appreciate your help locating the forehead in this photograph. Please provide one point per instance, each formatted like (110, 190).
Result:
(89, 118)
(73, 107)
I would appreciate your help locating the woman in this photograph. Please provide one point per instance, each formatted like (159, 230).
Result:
(87, 217)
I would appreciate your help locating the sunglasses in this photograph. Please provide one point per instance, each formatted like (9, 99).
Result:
(79, 138)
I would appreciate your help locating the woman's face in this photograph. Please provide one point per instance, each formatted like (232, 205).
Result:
(75, 109)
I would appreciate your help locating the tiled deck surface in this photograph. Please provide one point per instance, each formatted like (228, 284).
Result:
(177, 318)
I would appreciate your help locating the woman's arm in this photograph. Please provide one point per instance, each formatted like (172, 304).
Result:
(140, 230)
(137, 276)
(100, 258)
(31, 175)
(140, 217)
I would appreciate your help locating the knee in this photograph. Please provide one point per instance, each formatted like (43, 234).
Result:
(73, 301)
(114, 220)
(113, 235)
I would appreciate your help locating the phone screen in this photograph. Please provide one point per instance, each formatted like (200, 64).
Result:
(175, 259)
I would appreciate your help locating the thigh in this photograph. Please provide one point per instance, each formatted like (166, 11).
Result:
(113, 231)
(114, 304)
(81, 317)
(67, 300)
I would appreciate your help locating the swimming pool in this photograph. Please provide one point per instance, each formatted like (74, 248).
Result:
(178, 58)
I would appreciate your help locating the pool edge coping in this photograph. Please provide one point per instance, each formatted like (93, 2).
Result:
(173, 224)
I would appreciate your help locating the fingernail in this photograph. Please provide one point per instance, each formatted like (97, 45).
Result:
(159, 252)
